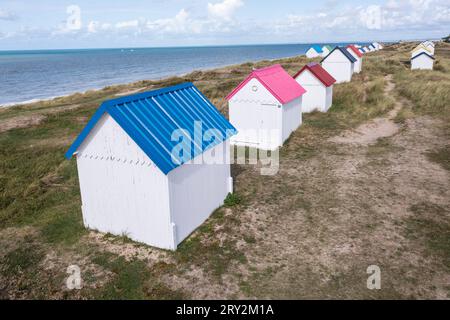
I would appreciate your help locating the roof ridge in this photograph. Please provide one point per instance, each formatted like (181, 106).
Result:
(319, 73)
(149, 118)
(418, 55)
(272, 67)
(147, 94)
(276, 80)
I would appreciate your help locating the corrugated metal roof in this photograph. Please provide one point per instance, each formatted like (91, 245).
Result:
(355, 50)
(419, 47)
(150, 118)
(344, 52)
(275, 79)
(317, 48)
(319, 72)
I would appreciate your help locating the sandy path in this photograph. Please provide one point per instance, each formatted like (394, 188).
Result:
(340, 211)
(369, 133)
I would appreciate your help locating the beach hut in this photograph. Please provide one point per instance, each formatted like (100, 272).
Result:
(366, 50)
(340, 64)
(429, 45)
(265, 108)
(326, 49)
(372, 48)
(420, 49)
(422, 61)
(318, 84)
(142, 168)
(376, 45)
(314, 52)
(361, 50)
(358, 56)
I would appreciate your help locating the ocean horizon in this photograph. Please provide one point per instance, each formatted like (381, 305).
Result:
(33, 75)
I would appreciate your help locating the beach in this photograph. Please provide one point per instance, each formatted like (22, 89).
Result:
(364, 184)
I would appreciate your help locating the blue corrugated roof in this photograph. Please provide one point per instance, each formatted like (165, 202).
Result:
(150, 118)
(317, 48)
(344, 51)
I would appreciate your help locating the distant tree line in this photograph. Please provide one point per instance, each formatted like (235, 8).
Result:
(446, 39)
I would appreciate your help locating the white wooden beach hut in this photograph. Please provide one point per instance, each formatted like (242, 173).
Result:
(326, 49)
(265, 108)
(429, 45)
(314, 52)
(358, 56)
(420, 50)
(422, 61)
(366, 49)
(135, 168)
(318, 84)
(377, 46)
(340, 64)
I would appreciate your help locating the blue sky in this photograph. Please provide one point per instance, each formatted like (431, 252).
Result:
(45, 24)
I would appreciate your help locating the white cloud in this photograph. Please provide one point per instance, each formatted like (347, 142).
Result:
(217, 22)
(392, 16)
(224, 10)
(181, 23)
(8, 15)
(127, 24)
(93, 26)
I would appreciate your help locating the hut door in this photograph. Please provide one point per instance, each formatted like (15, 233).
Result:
(267, 119)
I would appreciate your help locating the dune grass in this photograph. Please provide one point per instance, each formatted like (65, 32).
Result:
(39, 187)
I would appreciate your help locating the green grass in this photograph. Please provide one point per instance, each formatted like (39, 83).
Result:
(39, 187)
(441, 156)
(128, 280)
(133, 279)
(427, 90)
(206, 251)
(381, 147)
(22, 260)
(232, 200)
(64, 228)
(430, 226)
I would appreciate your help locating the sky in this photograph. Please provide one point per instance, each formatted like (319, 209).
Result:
(62, 24)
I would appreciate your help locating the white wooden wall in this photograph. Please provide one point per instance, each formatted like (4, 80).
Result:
(316, 93)
(122, 191)
(422, 63)
(325, 52)
(329, 99)
(292, 118)
(339, 67)
(311, 53)
(196, 190)
(358, 63)
(254, 110)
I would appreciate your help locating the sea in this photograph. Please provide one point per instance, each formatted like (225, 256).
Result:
(28, 76)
